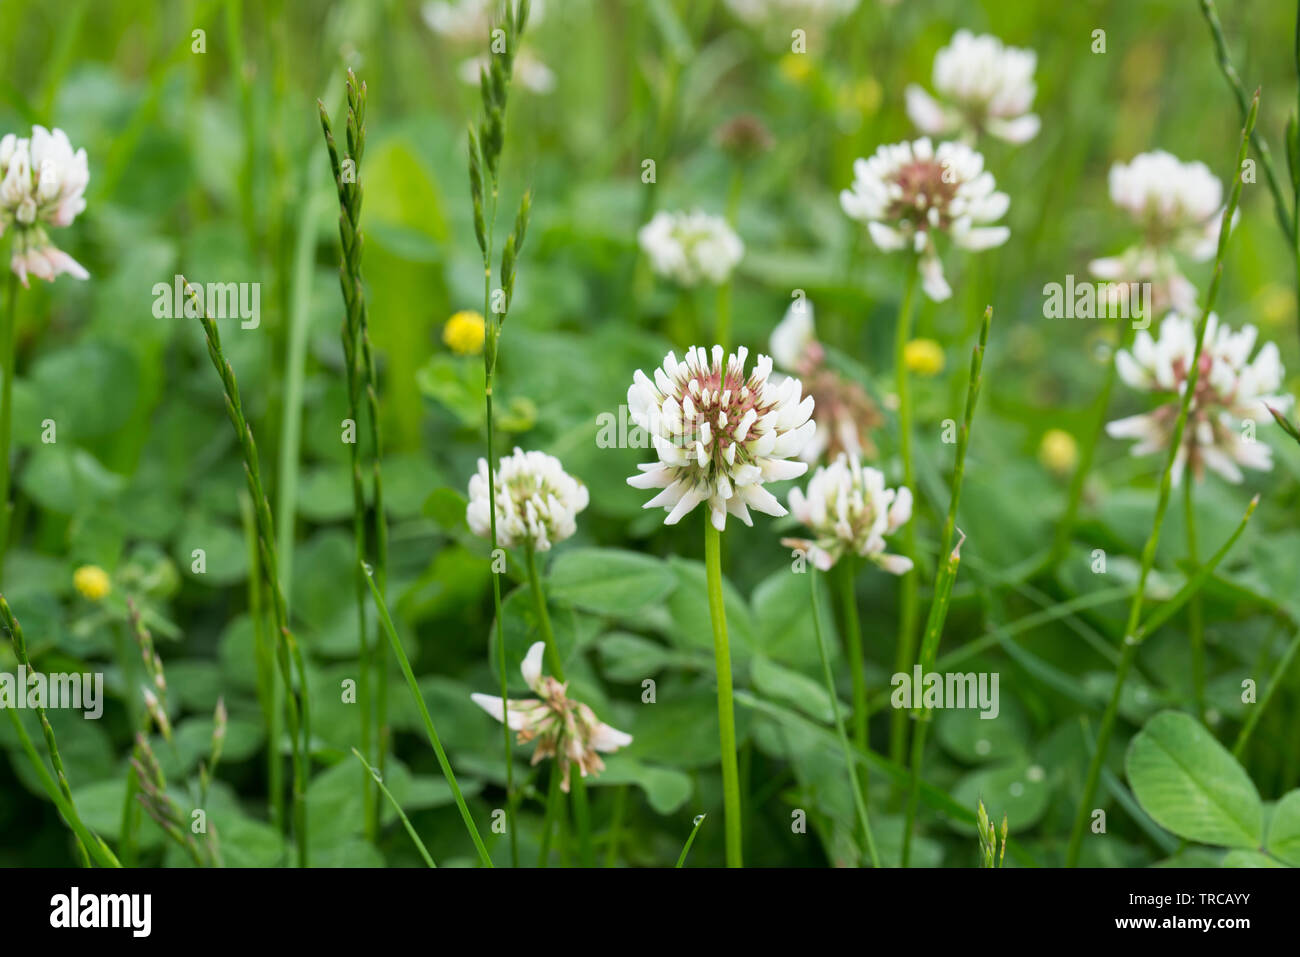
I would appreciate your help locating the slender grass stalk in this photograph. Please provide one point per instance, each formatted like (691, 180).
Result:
(86, 839)
(1244, 106)
(406, 822)
(945, 577)
(434, 740)
(1087, 452)
(1132, 639)
(699, 820)
(859, 798)
(485, 148)
(1193, 584)
(360, 379)
(908, 585)
(51, 745)
(7, 319)
(732, 826)
(1274, 682)
(1195, 622)
(268, 694)
(288, 654)
(853, 647)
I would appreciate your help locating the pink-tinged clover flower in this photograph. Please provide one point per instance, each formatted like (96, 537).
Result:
(564, 729)
(1177, 207)
(42, 183)
(849, 510)
(1231, 388)
(720, 434)
(908, 193)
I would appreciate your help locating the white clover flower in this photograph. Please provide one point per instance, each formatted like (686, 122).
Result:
(564, 729)
(1178, 207)
(759, 11)
(691, 248)
(983, 87)
(1231, 388)
(534, 75)
(842, 410)
(537, 501)
(42, 183)
(849, 510)
(468, 21)
(907, 192)
(719, 434)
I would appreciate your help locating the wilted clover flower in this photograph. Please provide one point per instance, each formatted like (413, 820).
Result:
(564, 729)
(691, 248)
(1230, 389)
(844, 413)
(907, 192)
(537, 501)
(720, 434)
(849, 511)
(42, 183)
(983, 87)
(1178, 207)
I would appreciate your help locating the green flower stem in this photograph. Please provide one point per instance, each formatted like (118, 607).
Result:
(581, 812)
(20, 652)
(699, 820)
(726, 707)
(434, 740)
(859, 799)
(1087, 452)
(553, 803)
(722, 328)
(947, 574)
(6, 412)
(853, 648)
(1132, 637)
(288, 655)
(543, 615)
(907, 586)
(406, 822)
(1195, 622)
(616, 825)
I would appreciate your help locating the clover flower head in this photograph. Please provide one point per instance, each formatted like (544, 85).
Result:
(759, 11)
(468, 21)
(1178, 207)
(1231, 388)
(42, 183)
(463, 333)
(843, 412)
(537, 501)
(720, 433)
(849, 510)
(564, 729)
(691, 248)
(533, 75)
(983, 87)
(92, 582)
(908, 192)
